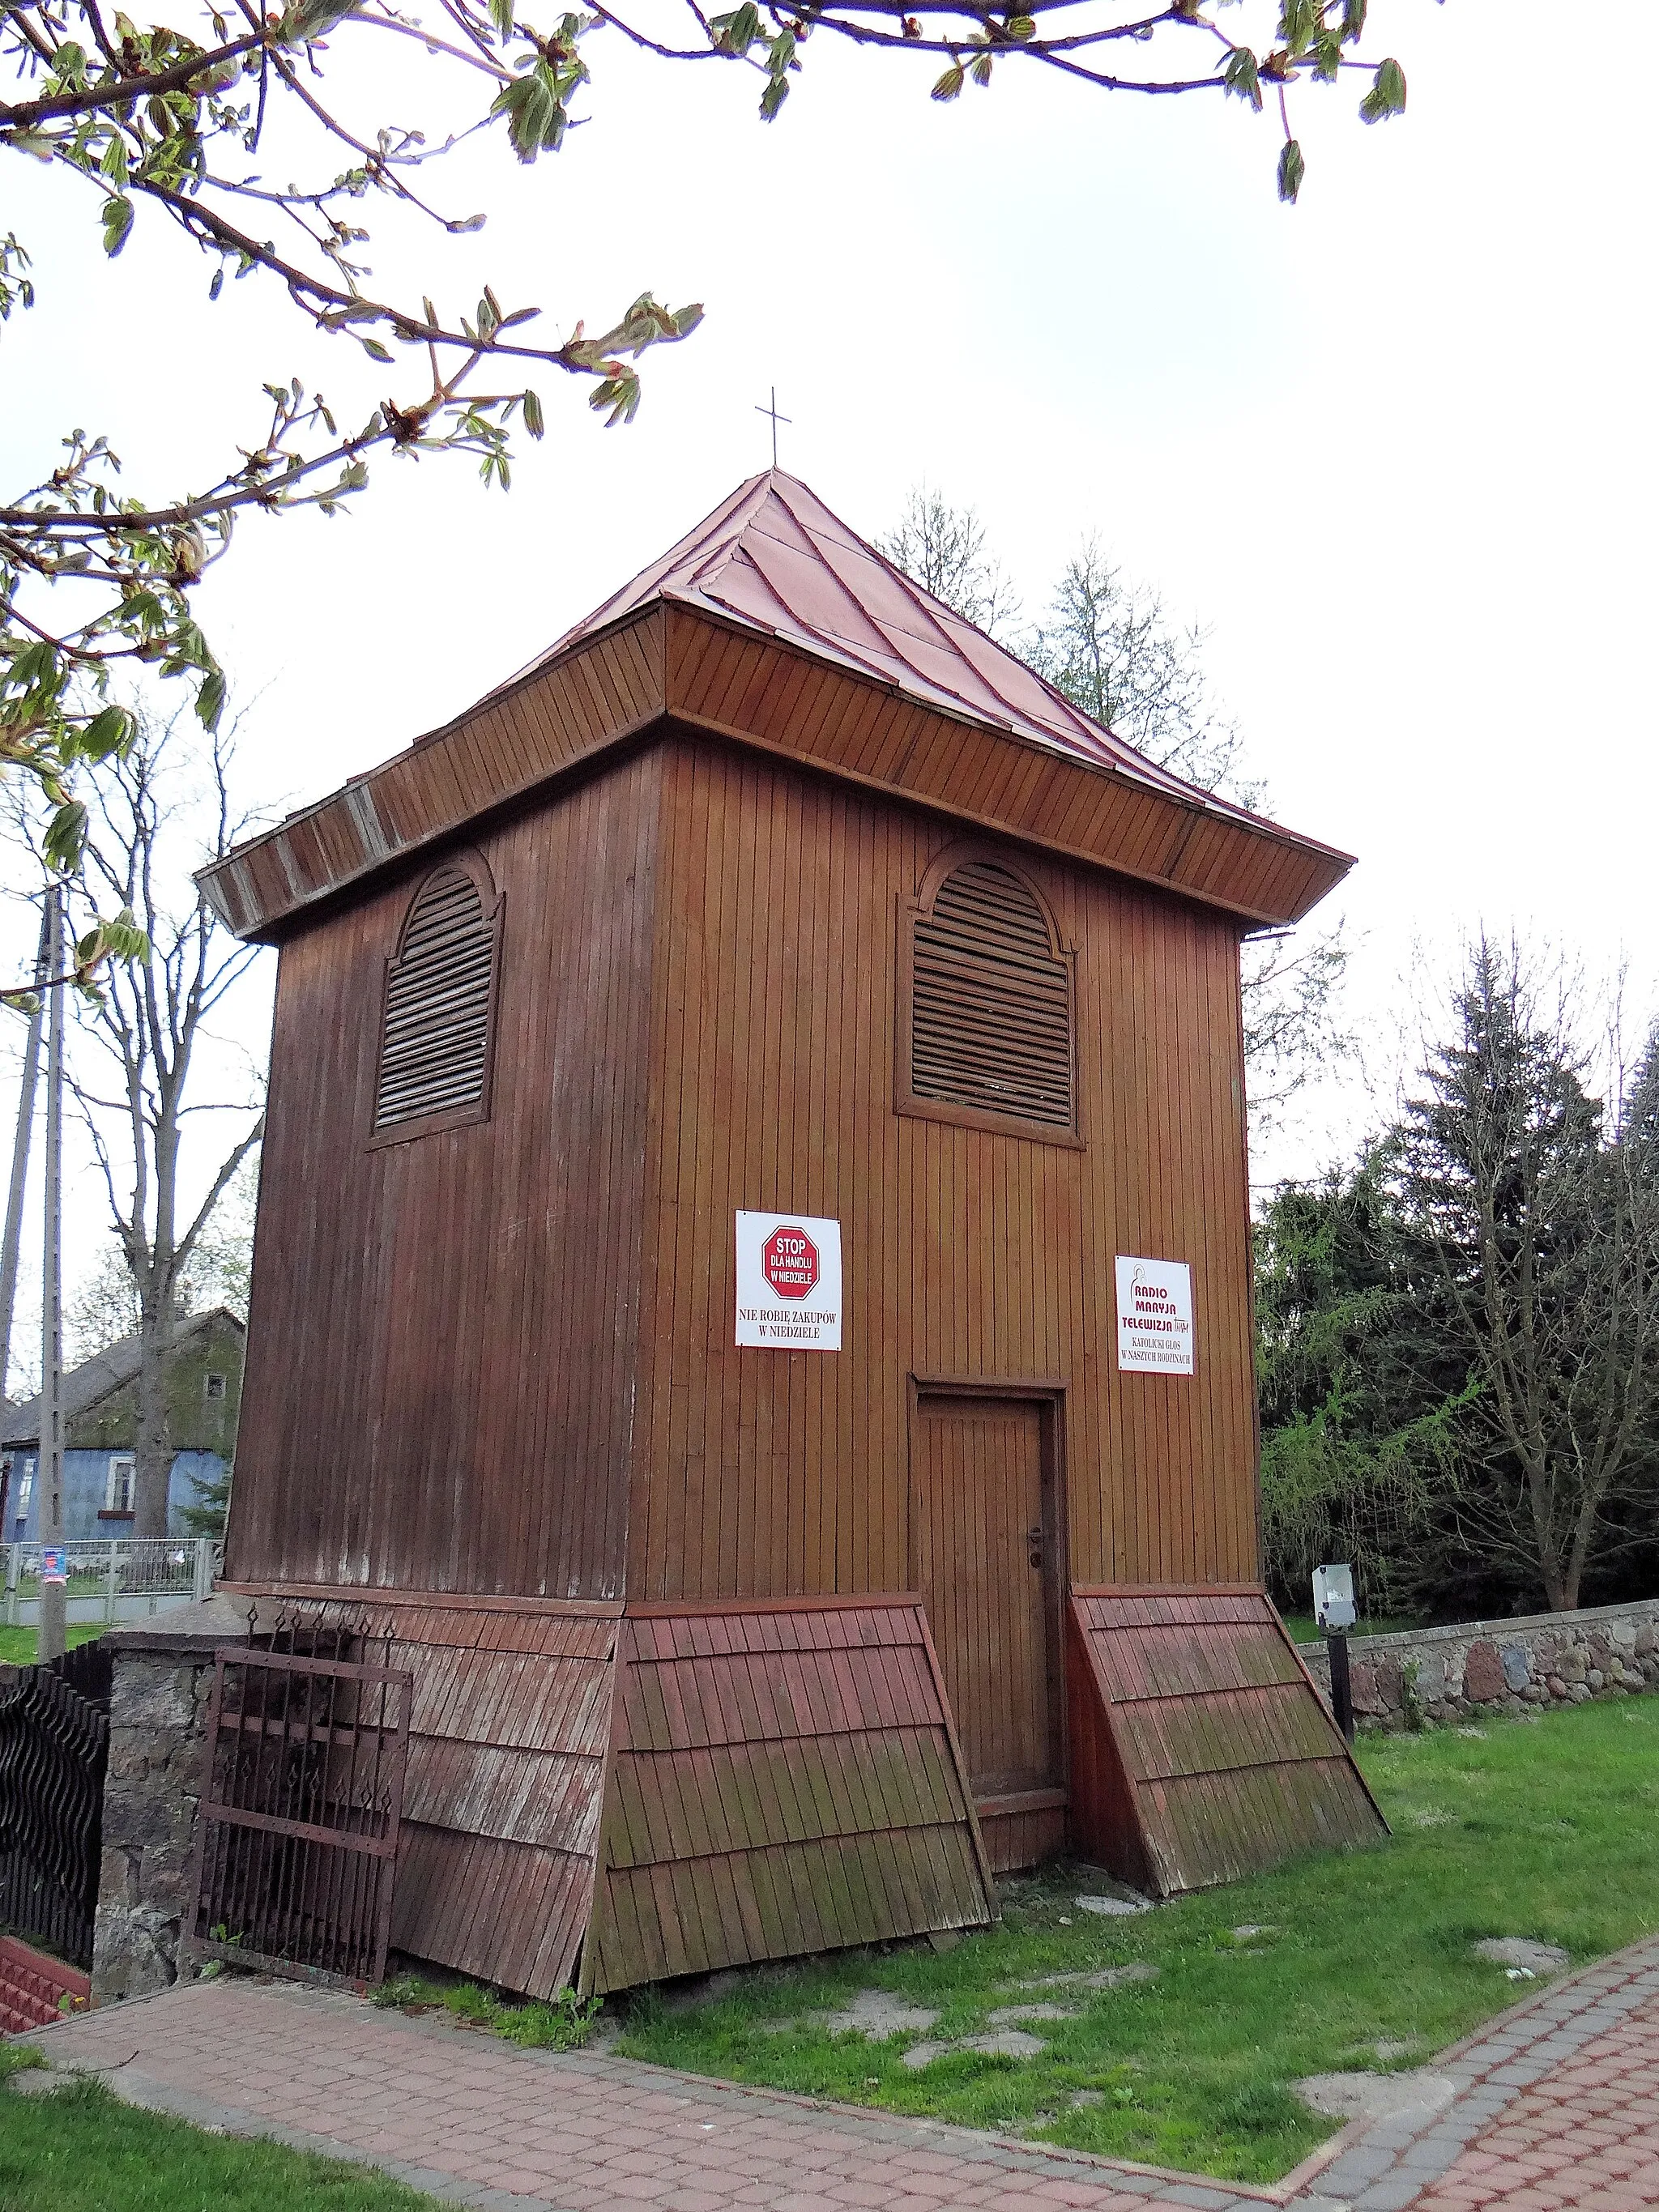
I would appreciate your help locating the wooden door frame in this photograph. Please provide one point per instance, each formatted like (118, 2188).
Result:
(1048, 1394)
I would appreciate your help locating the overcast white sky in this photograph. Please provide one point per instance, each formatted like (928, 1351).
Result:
(1395, 446)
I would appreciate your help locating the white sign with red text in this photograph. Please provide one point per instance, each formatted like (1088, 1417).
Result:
(1154, 1316)
(789, 1282)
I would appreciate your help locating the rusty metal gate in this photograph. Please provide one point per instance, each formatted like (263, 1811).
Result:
(296, 1847)
(54, 1747)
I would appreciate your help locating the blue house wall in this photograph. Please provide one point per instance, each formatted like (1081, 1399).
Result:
(86, 1486)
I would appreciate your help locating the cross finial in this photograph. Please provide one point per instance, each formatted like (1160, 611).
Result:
(776, 418)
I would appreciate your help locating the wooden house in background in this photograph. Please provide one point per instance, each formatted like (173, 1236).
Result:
(719, 1083)
(100, 1434)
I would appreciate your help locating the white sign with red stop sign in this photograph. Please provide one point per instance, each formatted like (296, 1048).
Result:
(789, 1282)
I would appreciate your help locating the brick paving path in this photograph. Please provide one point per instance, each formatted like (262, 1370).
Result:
(475, 2120)
(1587, 2135)
(1555, 2106)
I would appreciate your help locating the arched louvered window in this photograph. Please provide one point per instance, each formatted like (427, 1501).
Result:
(986, 1030)
(437, 1019)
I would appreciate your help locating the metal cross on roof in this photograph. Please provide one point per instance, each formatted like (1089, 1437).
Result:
(776, 418)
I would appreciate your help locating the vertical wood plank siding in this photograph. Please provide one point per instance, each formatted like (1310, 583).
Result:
(440, 1378)
(1017, 1839)
(784, 1781)
(1200, 1749)
(966, 1252)
(976, 1495)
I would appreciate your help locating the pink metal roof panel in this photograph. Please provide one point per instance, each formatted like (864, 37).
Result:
(775, 564)
(773, 557)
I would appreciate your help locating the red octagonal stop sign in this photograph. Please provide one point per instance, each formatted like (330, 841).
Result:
(789, 1260)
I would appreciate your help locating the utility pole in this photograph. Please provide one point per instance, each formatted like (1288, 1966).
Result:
(11, 1244)
(53, 1595)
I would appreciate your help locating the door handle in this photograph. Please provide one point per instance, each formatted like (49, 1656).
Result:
(1034, 1539)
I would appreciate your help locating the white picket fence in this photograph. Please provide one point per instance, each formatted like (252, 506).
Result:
(126, 1578)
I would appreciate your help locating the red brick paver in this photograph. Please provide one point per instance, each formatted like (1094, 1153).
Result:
(1555, 2106)
(490, 2124)
(1586, 2135)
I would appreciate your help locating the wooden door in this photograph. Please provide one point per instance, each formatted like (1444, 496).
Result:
(982, 1528)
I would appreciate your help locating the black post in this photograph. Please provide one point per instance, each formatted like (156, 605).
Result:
(1336, 1647)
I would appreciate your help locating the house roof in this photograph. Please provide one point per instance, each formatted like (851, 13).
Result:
(86, 1386)
(906, 696)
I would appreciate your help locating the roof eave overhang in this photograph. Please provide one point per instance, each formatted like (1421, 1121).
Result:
(700, 669)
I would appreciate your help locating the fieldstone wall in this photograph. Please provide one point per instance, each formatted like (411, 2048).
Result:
(157, 1745)
(1498, 1666)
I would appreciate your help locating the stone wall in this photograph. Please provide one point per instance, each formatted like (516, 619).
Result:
(1498, 1666)
(157, 1745)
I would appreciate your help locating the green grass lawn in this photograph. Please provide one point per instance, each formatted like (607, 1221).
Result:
(1547, 1829)
(1304, 1629)
(78, 2150)
(17, 1645)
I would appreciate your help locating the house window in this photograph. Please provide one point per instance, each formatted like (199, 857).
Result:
(117, 1489)
(988, 1029)
(437, 1017)
(25, 1491)
(214, 1387)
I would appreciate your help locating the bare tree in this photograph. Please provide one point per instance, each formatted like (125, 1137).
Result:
(1542, 1211)
(943, 547)
(150, 1020)
(1109, 645)
(105, 1306)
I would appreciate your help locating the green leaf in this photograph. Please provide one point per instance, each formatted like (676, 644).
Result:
(951, 83)
(210, 699)
(533, 112)
(1299, 23)
(124, 938)
(374, 349)
(1021, 27)
(118, 221)
(1292, 170)
(1241, 77)
(307, 20)
(501, 15)
(1388, 93)
(776, 92)
(738, 31)
(534, 421)
(36, 664)
(66, 835)
(110, 732)
(1354, 19)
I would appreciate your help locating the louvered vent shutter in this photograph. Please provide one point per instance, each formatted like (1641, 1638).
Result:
(435, 1050)
(991, 1021)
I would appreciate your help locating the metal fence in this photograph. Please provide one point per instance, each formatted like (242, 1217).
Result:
(296, 1849)
(54, 1746)
(123, 1579)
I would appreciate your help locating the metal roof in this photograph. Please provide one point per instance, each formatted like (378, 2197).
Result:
(774, 558)
(948, 719)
